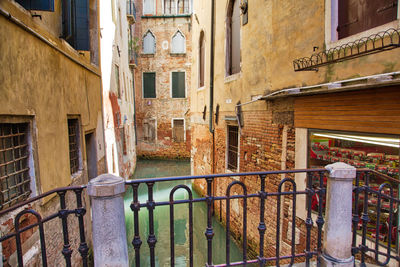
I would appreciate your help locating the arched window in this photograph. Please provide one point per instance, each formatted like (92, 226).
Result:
(202, 57)
(149, 43)
(233, 38)
(178, 43)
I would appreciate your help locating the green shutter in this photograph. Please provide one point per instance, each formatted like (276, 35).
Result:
(178, 85)
(149, 85)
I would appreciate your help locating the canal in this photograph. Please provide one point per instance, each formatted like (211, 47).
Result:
(159, 168)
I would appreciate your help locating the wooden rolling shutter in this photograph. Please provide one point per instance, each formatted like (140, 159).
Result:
(373, 111)
(360, 15)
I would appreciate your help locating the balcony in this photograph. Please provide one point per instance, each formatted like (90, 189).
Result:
(133, 61)
(131, 11)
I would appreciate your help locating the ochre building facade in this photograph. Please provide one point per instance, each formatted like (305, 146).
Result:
(271, 111)
(51, 123)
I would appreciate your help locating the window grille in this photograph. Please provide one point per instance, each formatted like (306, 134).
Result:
(201, 59)
(233, 147)
(178, 130)
(73, 134)
(14, 166)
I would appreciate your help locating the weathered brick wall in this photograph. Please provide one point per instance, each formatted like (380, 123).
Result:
(261, 149)
(163, 108)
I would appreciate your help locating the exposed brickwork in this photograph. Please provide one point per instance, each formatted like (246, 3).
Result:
(163, 108)
(260, 150)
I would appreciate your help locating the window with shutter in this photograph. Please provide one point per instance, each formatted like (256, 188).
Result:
(356, 16)
(202, 47)
(75, 20)
(149, 43)
(42, 5)
(149, 130)
(169, 7)
(178, 43)
(148, 7)
(233, 38)
(233, 147)
(178, 130)
(183, 6)
(149, 85)
(178, 85)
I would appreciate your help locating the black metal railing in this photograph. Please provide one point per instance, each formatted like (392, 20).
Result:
(14, 238)
(133, 57)
(130, 8)
(311, 250)
(366, 193)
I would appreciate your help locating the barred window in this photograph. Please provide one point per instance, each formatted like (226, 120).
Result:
(233, 147)
(14, 164)
(73, 134)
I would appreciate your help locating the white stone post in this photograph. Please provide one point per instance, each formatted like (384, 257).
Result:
(108, 220)
(338, 215)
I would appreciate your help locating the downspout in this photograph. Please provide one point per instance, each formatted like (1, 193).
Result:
(211, 126)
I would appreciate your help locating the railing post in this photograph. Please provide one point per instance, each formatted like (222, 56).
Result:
(337, 231)
(108, 220)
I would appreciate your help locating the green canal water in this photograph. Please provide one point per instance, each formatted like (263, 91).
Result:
(158, 168)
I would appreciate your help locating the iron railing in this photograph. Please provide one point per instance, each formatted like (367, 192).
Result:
(133, 57)
(364, 196)
(30, 208)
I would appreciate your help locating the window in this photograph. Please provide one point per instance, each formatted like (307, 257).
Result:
(149, 130)
(233, 38)
(178, 130)
(149, 85)
(43, 5)
(356, 16)
(169, 7)
(233, 147)
(149, 43)
(123, 139)
(117, 83)
(148, 7)
(202, 47)
(172, 7)
(183, 6)
(75, 21)
(74, 149)
(178, 43)
(14, 163)
(178, 85)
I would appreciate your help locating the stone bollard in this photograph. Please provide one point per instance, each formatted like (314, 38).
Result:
(108, 220)
(338, 214)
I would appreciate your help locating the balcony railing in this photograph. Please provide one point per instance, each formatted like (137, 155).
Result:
(133, 59)
(268, 209)
(131, 11)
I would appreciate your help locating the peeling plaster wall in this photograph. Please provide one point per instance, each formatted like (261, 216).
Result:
(118, 106)
(47, 83)
(277, 33)
(163, 108)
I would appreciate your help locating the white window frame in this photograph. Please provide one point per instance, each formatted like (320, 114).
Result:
(332, 20)
(143, 84)
(170, 84)
(154, 8)
(227, 148)
(184, 43)
(155, 43)
(184, 127)
(176, 8)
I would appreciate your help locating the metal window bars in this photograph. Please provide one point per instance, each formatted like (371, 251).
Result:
(73, 135)
(14, 168)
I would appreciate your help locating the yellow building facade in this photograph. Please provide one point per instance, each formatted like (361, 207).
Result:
(51, 106)
(292, 81)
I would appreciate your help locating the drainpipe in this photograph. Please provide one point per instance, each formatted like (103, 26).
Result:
(211, 126)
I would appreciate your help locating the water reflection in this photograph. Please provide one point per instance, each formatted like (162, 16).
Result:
(157, 168)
